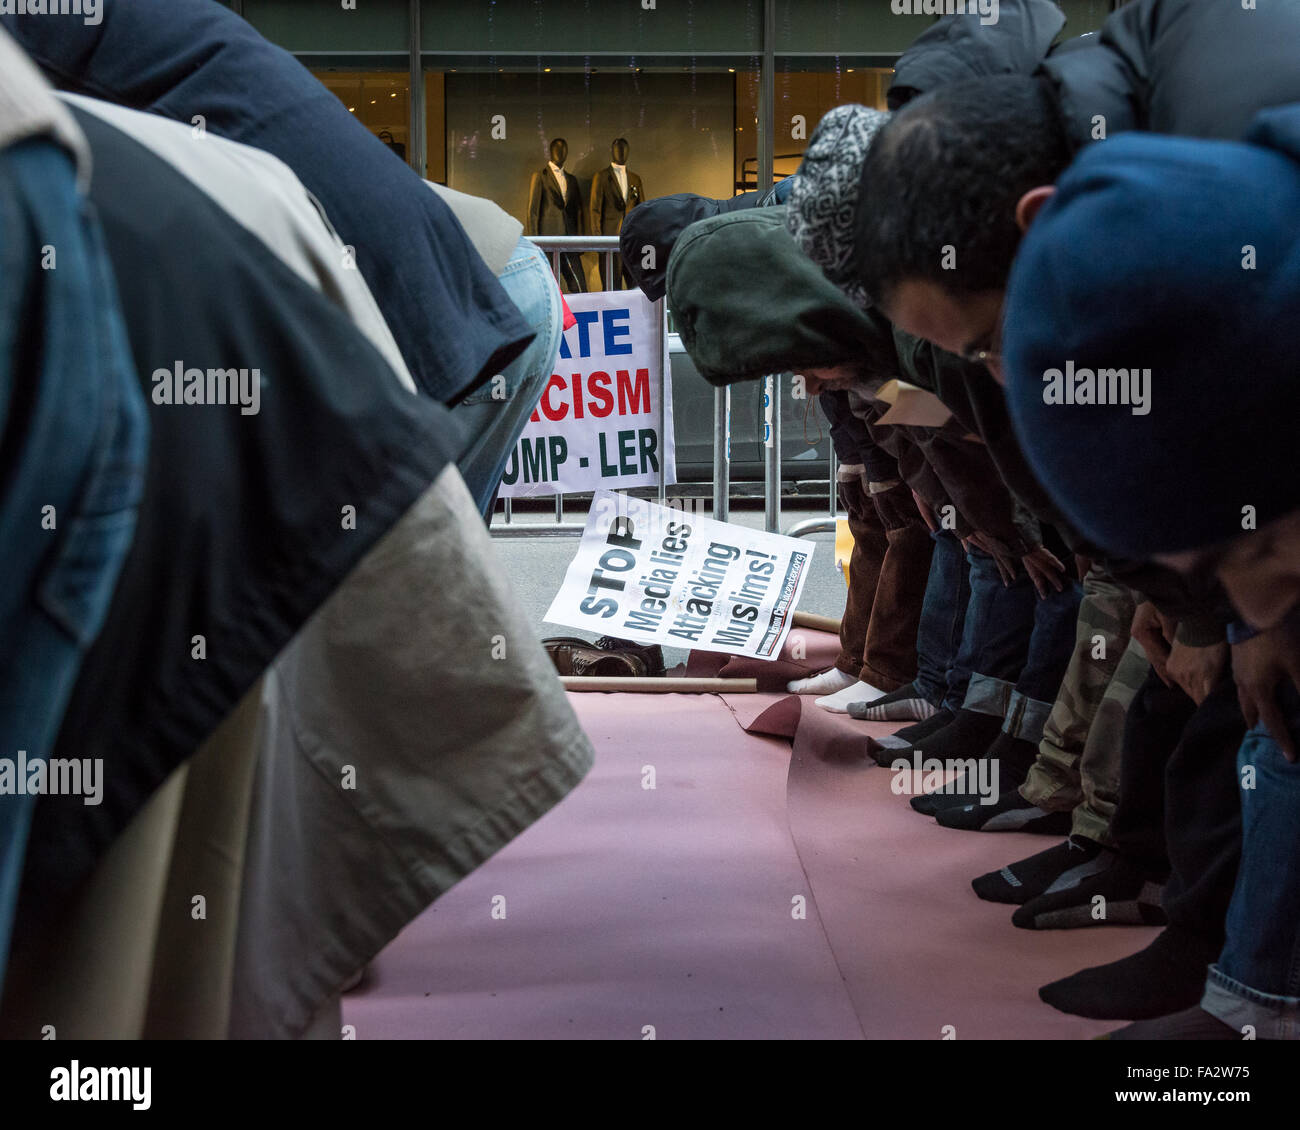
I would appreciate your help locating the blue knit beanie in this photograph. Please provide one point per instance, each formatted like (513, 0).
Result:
(1152, 338)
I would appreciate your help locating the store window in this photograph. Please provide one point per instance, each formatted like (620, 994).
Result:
(380, 100)
(801, 99)
(495, 82)
(502, 79)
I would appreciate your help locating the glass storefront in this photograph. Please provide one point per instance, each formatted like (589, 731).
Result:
(495, 82)
(381, 100)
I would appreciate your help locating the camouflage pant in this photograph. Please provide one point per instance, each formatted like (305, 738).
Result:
(1078, 759)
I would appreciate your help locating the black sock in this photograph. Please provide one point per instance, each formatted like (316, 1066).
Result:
(1167, 976)
(969, 734)
(909, 735)
(906, 704)
(933, 803)
(1189, 1024)
(886, 749)
(1014, 756)
(1011, 813)
(1027, 878)
(907, 690)
(1129, 898)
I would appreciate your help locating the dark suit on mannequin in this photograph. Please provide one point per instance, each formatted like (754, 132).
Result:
(556, 211)
(609, 206)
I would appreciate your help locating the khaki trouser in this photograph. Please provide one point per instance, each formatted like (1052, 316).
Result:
(148, 948)
(1077, 768)
(410, 730)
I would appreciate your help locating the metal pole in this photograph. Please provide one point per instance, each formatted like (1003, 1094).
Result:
(538, 530)
(559, 498)
(663, 399)
(416, 145)
(766, 149)
(833, 501)
(767, 97)
(772, 453)
(722, 453)
(810, 526)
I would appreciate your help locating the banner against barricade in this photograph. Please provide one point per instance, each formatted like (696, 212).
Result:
(657, 574)
(597, 424)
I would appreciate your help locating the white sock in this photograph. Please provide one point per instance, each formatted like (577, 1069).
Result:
(828, 682)
(838, 703)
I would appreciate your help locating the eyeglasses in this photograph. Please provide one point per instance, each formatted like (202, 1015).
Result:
(990, 356)
(982, 356)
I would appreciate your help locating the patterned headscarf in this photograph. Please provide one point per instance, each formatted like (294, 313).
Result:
(824, 199)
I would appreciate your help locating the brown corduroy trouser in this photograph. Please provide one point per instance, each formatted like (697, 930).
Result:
(887, 575)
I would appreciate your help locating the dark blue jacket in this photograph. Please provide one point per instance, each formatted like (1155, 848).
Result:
(241, 532)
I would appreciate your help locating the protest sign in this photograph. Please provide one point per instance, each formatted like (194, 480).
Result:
(597, 424)
(656, 574)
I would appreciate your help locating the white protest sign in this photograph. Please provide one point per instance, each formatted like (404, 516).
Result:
(597, 424)
(655, 574)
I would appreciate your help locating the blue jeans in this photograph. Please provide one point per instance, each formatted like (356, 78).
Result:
(1051, 646)
(943, 614)
(995, 640)
(73, 444)
(495, 415)
(1257, 978)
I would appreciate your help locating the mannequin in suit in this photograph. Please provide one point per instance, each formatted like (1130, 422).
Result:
(614, 192)
(555, 208)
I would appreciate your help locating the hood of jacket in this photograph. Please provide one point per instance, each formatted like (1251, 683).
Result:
(1197, 68)
(962, 47)
(748, 302)
(652, 229)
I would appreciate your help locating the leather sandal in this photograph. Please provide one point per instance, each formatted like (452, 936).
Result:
(573, 656)
(650, 654)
